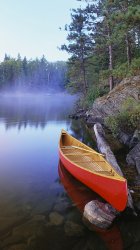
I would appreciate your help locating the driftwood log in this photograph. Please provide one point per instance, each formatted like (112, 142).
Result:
(95, 212)
(104, 148)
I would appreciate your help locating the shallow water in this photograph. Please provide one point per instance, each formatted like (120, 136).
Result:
(36, 211)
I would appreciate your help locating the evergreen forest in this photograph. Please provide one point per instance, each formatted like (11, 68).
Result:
(103, 40)
(29, 75)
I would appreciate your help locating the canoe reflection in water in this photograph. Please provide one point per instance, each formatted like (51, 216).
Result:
(81, 195)
(92, 169)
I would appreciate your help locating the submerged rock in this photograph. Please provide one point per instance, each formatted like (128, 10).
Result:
(55, 219)
(61, 205)
(12, 240)
(73, 229)
(32, 227)
(7, 223)
(17, 247)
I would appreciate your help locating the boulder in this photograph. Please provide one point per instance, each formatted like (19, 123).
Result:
(135, 138)
(111, 103)
(133, 157)
(92, 120)
(99, 214)
(124, 138)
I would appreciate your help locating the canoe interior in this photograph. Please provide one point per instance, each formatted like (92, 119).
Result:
(85, 157)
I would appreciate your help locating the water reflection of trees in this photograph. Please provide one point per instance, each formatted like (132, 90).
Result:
(35, 110)
(81, 132)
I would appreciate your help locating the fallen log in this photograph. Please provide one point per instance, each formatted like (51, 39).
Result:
(105, 149)
(97, 213)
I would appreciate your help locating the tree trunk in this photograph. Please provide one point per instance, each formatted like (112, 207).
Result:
(84, 74)
(128, 49)
(84, 79)
(110, 60)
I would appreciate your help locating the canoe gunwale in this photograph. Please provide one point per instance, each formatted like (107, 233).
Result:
(113, 188)
(92, 172)
(116, 175)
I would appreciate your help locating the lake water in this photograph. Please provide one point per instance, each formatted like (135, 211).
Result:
(37, 211)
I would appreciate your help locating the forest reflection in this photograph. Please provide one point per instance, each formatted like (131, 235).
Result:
(23, 109)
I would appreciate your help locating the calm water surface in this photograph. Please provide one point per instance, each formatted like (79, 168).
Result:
(36, 212)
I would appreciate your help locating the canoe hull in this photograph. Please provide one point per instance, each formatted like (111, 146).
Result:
(79, 193)
(112, 190)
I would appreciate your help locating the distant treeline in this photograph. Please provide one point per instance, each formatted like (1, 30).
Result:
(32, 74)
(103, 43)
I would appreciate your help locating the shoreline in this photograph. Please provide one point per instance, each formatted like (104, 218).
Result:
(129, 143)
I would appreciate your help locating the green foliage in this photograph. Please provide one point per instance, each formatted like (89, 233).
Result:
(105, 38)
(27, 74)
(104, 74)
(92, 94)
(123, 70)
(126, 71)
(112, 123)
(104, 90)
(72, 87)
(80, 46)
(127, 120)
(135, 66)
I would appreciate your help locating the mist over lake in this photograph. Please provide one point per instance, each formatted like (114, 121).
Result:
(30, 126)
(22, 109)
(35, 208)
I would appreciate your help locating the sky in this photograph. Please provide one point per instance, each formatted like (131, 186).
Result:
(31, 28)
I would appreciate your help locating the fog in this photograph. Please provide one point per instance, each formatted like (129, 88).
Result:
(20, 108)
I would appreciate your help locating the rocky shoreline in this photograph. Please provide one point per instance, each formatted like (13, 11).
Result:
(131, 141)
(109, 105)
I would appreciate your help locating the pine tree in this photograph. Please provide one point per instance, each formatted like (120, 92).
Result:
(127, 18)
(80, 45)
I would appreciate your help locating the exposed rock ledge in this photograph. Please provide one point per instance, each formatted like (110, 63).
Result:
(110, 105)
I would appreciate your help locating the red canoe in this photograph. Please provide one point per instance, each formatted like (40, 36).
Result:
(81, 195)
(77, 191)
(90, 167)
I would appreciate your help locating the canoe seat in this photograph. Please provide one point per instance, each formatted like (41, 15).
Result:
(85, 160)
(105, 172)
(75, 154)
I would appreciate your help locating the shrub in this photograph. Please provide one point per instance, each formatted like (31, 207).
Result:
(127, 120)
(112, 123)
(122, 71)
(92, 94)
